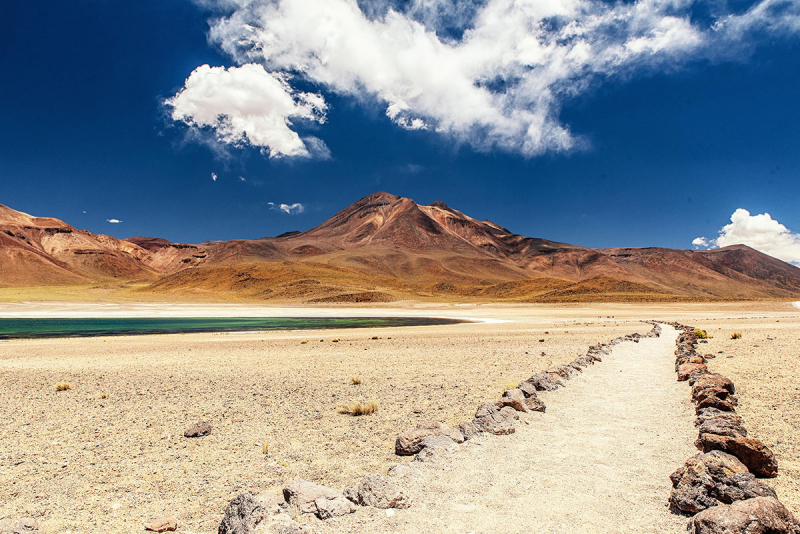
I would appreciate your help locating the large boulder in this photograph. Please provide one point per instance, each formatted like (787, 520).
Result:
(693, 484)
(312, 498)
(758, 458)
(741, 486)
(761, 515)
(378, 491)
(243, 515)
(488, 418)
(410, 442)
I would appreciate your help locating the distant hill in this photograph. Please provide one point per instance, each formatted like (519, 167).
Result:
(384, 247)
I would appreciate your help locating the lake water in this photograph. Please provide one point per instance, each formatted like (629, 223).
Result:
(56, 328)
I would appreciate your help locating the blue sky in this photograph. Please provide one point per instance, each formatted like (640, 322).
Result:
(689, 114)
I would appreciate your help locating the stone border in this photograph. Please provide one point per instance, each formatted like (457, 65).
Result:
(721, 488)
(264, 513)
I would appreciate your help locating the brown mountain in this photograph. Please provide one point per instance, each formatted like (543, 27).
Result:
(384, 247)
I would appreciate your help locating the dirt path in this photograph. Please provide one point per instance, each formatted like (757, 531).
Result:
(597, 461)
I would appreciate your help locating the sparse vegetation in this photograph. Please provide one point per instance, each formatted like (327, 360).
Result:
(104, 395)
(355, 380)
(358, 408)
(63, 386)
(736, 335)
(283, 462)
(265, 448)
(701, 334)
(511, 385)
(304, 342)
(336, 340)
(375, 337)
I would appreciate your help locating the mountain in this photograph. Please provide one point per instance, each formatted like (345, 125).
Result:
(384, 247)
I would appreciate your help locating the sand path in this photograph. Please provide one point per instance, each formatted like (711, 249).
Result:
(597, 461)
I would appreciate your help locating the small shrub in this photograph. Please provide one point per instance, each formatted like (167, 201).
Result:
(511, 385)
(359, 408)
(304, 342)
(736, 335)
(104, 395)
(63, 386)
(336, 340)
(701, 334)
(375, 337)
(355, 380)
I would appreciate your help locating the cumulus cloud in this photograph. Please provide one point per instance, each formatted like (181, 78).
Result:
(290, 209)
(490, 73)
(247, 106)
(113, 221)
(760, 232)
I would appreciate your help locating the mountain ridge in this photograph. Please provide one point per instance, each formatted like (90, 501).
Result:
(393, 247)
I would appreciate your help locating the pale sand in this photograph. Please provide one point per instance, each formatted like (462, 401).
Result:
(597, 461)
(83, 463)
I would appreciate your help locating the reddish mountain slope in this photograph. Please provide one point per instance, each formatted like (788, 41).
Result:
(395, 245)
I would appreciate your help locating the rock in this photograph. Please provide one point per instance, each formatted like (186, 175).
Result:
(704, 414)
(722, 426)
(243, 514)
(761, 515)
(741, 486)
(535, 404)
(543, 382)
(378, 491)
(758, 458)
(489, 419)
(693, 484)
(20, 526)
(564, 371)
(688, 370)
(701, 394)
(469, 429)
(440, 442)
(198, 430)
(162, 524)
(410, 442)
(513, 398)
(312, 498)
(584, 361)
(714, 380)
(509, 413)
(715, 402)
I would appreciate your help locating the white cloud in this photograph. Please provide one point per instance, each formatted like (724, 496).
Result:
(291, 209)
(113, 221)
(491, 73)
(760, 232)
(247, 106)
(700, 242)
(213, 177)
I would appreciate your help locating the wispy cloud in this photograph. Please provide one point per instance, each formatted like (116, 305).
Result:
(213, 177)
(491, 73)
(760, 232)
(290, 209)
(113, 221)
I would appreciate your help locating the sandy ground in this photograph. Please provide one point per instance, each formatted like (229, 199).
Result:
(597, 461)
(109, 454)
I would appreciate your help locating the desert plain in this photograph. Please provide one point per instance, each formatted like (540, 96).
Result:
(108, 454)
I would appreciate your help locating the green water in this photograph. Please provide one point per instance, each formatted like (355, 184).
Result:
(55, 328)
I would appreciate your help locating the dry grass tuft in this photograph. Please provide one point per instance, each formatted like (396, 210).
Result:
(736, 335)
(511, 385)
(355, 380)
(265, 448)
(701, 334)
(304, 342)
(336, 340)
(63, 386)
(359, 408)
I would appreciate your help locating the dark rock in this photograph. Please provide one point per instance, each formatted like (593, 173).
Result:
(312, 498)
(564, 371)
(741, 486)
(198, 430)
(378, 491)
(693, 484)
(701, 394)
(688, 370)
(513, 398)
(489, 419)
(761, 515)
(162, 524)
(242, 515)
(704, 414)
(758, 458)
(544, 382)
(410, 442)
(712, 380)
(535, 404)
(715, 402)
(723, 426)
